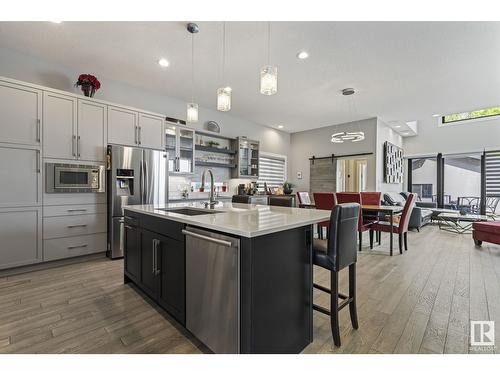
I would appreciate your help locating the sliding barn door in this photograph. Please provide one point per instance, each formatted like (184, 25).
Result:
(323, 175)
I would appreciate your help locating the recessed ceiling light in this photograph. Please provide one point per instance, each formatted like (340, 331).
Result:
(280, 126)
(56, 21)
(397, 126)
(163, 62)
(436, 115)
(302, 55)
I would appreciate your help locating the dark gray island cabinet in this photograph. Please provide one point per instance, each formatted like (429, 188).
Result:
(234, 292)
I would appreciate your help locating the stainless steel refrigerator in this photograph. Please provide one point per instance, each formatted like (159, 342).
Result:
(134, 176)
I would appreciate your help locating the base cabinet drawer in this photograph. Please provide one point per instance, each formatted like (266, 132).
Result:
(60, 248)
(76, 225)
(80, 209)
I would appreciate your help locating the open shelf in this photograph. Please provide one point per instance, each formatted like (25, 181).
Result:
(214, 149)
(215, 165)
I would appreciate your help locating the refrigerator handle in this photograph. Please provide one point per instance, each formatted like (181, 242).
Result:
(145, 190)
(166, 156)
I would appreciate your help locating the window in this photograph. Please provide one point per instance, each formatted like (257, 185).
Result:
(472, 115)
(272, 170)
(424, 191)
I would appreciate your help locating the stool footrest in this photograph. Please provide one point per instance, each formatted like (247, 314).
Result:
(326, 290)
(343, 304)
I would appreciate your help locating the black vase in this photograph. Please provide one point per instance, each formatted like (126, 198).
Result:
(88, 90)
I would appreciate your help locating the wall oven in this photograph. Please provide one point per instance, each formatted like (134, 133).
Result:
(74, 178)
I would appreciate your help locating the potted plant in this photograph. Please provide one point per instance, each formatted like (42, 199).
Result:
(89, 84)
(287, 187)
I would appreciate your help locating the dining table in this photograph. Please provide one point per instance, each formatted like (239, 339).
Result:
(392, 211)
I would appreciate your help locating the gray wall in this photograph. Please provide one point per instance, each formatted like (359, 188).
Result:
(317, 142)
(14, 64)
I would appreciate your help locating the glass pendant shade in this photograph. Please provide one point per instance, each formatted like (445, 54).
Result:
(269, 80)
(224, 99)
(192, 112)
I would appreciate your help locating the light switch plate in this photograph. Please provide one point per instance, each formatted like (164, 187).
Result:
(299, 175)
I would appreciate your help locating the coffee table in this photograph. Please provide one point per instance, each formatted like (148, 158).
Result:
(456, 223)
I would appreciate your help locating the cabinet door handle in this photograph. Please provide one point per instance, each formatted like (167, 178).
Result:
(139, 134)
(154, 256)
(77, 246)
(73, 147)
(76, 225)
(135, 134)
(78, 146)
(38, 132)
(37, 161)
(77, 210)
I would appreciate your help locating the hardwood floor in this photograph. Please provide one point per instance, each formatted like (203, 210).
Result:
(418, 302)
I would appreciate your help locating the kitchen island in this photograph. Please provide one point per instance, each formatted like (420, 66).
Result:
(237, 276)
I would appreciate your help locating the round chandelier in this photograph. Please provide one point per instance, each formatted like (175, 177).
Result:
(357, 136)
(347, 136)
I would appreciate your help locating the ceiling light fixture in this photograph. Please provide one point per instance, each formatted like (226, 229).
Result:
(224, 93)
(397, 126)
(56, 21)
(302, 55)
(163, 62)
(268, 73)
(192, 108)
(357, 136)
(436, 115)
(280, 126)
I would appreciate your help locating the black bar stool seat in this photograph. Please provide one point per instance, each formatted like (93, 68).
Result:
(334, 254)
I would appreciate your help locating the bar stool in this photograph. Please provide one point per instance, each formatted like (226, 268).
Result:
(334, 254)
(281, 200)
(324, 201)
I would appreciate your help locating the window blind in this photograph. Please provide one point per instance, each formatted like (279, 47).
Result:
(272, 170)
(492, 159)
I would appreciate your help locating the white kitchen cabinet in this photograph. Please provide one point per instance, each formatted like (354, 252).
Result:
(122, 126)
(68, 247)
(59, 126)
(91, 135)
(179, 143)
(20, 176)
(151, 131)
(20, 114)
(20, 231)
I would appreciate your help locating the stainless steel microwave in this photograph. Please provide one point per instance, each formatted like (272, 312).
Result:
(74, 178)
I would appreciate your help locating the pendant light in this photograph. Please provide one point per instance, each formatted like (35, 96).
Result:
(192, 108)
(268, 73)
(356, 136)
(224, 93)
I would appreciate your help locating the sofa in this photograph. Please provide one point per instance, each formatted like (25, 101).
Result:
(487, 231)
(421, 213)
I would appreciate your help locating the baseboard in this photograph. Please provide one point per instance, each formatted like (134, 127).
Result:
(52, 264)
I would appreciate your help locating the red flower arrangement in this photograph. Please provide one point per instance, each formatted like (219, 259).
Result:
(89, 84)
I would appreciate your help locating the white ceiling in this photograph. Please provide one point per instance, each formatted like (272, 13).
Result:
(402, 71)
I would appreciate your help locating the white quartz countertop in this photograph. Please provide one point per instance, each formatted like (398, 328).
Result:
(246, 220)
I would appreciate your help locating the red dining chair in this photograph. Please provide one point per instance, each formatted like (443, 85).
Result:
(324, 201)
(371, 198)
(400, 228)
(304, 199)
(363, 225)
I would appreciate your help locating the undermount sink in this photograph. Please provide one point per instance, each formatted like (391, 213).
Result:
(190, 211)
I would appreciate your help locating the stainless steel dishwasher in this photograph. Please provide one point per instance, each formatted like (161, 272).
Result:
(213, 289)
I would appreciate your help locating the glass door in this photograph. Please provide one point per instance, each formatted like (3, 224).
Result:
(171, 146)
(186, 151)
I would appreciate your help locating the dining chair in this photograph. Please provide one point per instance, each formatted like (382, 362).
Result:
(324, 201)
(281, 200)
(400, 228)
(363, 226)
(304, 199)
(371, 198)
(334, 254)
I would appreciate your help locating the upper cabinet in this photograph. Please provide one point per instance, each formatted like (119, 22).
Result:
(73, 128)
(122, 126)
(92, 119)
(131, 128)
(247, 158)
(20, 111)
(179, 143)
(150, 131)
(59, 126)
